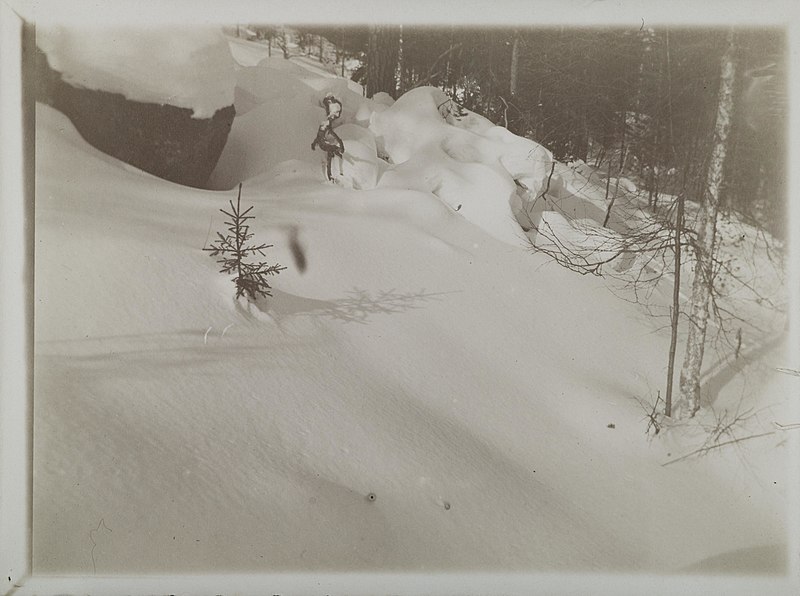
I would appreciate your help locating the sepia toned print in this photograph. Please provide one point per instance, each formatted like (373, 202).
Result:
(411, 298)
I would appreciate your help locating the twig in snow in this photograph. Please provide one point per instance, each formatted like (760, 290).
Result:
(706, 449)
(94, 544)
(208, 233)
(652, 416)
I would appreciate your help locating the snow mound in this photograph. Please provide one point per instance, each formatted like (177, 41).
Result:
(264, 137)
(269, 84)
(193, 70)
(364, 113)
(480, 193)
(383, 98)
(470, 164)
(361, 166)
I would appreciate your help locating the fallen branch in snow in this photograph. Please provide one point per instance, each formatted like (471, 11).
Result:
(650, 415)
(789, 371)
(792, 426)
(704, 450)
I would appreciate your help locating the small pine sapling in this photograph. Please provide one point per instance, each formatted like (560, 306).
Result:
(250, 277)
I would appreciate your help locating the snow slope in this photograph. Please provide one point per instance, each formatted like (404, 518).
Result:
(465, 384)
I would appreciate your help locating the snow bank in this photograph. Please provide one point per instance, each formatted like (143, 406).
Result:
(193, 69)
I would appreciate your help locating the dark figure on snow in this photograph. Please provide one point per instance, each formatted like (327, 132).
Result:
(328, 140)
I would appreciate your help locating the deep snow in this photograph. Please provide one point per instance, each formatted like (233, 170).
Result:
(425, 357)
(188, 68)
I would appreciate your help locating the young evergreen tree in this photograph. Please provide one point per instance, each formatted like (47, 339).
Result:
(250, 278)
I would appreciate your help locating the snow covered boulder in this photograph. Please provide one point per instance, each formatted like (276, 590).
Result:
(159, 101)
(273, 132)
(409, 124)
(360, 165)
(528, 162)
(258, 84)
(468, 162)
(383, 98)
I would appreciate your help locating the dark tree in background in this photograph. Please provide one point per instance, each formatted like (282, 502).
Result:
(382, 59)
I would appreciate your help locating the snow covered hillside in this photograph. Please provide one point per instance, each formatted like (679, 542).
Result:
(428, 394)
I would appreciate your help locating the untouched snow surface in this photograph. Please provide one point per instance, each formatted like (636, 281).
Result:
(485, 397)
(192, 68)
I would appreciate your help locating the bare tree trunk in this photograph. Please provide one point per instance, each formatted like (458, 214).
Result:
(619, 173)
(321, 48)
(676, 303)
(341, 46)
(702, 284)
(382, 60)
(283, 43)
(512, 86)
(400, 77)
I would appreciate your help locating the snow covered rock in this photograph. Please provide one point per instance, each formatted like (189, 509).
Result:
(467, 162)
(267, 135)
(361, 167)
(160, 102)
(383, 98)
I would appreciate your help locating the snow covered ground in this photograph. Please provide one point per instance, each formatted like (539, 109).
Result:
(427, 395)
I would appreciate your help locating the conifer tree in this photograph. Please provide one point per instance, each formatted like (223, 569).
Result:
(250, 277)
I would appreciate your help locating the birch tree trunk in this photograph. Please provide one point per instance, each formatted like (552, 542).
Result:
(702, 284)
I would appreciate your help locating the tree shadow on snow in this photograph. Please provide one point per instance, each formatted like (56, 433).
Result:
(356, 307)
(726, 369)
